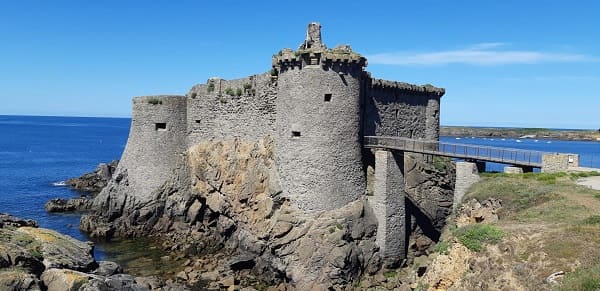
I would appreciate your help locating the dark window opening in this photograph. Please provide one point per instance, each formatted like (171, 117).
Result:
(327, 97)
(160, 126)
(295, 134)
(197, 120)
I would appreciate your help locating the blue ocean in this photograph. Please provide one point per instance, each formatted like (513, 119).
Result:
(38, 153)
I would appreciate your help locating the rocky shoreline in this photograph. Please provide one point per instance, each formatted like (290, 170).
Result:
(33, 258)
(535, 133)
(223, 221)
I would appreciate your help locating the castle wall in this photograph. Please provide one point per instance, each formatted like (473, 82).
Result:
(401, 109)
(156, 138)
(214, 114)
(318, 140)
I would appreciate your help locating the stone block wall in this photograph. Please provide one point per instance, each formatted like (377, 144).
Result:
(555, 162)
(401, 109)
(216, 115)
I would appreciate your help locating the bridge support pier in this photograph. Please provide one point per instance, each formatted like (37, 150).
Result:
(389, 206)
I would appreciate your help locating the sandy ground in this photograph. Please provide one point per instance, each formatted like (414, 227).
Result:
(592, 182)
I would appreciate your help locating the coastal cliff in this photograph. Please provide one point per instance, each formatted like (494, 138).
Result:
(223, 207)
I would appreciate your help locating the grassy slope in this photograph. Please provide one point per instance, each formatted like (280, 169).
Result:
(551, 225)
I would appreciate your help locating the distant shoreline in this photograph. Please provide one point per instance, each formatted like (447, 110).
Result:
(523, 133)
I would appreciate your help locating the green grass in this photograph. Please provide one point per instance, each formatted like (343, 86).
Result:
(238, 92)
(475, 236)
(229, 91)
(442, 164)
(516, 193)
(390, 274)
(594, 219)
(584, 279)
(442, 247)
(211, 87)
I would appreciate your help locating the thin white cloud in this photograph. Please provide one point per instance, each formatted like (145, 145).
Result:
(479, 54)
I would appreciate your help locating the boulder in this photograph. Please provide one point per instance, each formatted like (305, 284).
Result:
(68, 205)
(61, 251)
(15, 279)
(64, 279)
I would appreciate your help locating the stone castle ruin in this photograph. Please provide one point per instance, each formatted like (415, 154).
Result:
(316, 105)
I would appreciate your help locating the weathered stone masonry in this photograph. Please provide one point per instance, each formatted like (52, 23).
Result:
(316, 104)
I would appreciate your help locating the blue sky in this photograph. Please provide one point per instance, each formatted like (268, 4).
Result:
(503, 63)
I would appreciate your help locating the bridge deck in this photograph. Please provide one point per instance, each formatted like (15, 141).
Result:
(510, 156)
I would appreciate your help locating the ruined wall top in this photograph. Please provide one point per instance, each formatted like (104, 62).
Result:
(313, 38)
(314, 52)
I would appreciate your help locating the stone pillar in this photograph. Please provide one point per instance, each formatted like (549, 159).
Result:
(388, 203)
(466, 175)
(513, 170)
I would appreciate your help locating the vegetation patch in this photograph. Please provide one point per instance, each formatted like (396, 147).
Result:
(475, 236)
(229, 91)
(211, 87)
(586, 279)
(442, 247)
(594, 219)
(442, 164)
(516, 193)
(154, 101)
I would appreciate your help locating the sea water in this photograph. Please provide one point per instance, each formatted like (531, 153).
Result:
(588, 151)
(37, 154)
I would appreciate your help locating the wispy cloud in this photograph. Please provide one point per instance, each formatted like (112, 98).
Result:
(479, 54)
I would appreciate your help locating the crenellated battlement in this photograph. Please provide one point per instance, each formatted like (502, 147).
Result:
(405, 88)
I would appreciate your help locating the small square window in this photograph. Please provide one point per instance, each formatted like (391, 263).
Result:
(296, 134)
(161, 126)
(327, 98)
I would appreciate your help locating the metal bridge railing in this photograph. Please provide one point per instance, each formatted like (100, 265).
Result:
(464, 151)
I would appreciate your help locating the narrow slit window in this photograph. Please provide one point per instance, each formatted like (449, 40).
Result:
(160, 126)
(197, 120)
(296, 134)
(327, 97)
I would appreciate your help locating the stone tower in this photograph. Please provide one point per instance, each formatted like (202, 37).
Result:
(318, 126)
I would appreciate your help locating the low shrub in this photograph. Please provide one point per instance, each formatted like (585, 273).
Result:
(474, 236)
(154, 101)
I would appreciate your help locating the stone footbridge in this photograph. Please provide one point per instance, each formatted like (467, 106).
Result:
(389, 198)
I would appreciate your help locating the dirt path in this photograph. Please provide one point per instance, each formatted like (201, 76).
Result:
(592, 182)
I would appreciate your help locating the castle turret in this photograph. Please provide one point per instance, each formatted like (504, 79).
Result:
(156, 139)
(319, 122)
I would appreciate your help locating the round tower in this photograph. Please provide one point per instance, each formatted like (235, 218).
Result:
(318, 138)
(156, 140)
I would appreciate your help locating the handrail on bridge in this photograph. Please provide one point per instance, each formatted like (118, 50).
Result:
(456, 150)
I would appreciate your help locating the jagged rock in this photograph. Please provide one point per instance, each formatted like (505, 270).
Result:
(15, 279)
(61, 251)
(68, 205)
(107, 268)
(95, 181)
(9, 220)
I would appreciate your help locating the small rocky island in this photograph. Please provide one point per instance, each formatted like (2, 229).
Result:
(265, 182)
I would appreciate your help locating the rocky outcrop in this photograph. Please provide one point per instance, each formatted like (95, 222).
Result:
(223, 206)
(89, 183)
(33, 258)
(68, 205)
(95, 181)
(430, 191)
